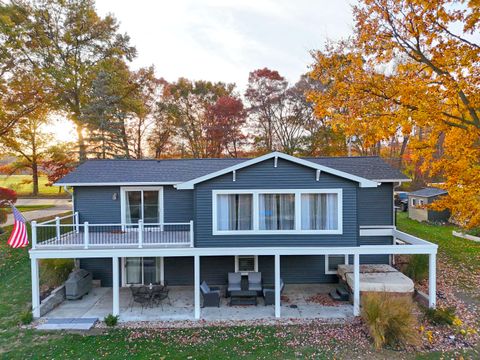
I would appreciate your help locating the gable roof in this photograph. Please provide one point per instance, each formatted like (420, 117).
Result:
(274, 155)
(176, 171)
(429, 192)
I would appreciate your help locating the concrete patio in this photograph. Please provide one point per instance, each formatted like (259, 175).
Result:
(296, 304)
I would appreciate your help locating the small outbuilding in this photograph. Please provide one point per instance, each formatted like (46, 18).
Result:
(418, 201)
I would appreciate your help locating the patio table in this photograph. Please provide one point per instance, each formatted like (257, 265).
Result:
(243, 297)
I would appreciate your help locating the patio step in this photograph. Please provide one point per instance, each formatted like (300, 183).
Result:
(68, 324)
(340, 294)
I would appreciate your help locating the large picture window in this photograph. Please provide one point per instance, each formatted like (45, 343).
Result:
(316, 211)
(234, 212)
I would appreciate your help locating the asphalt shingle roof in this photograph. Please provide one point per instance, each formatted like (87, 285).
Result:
(428, 192)
(180, 170)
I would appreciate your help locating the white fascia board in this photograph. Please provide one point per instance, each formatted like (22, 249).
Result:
(393, 180)
(424, 248)
(188, 185)
(120, 184)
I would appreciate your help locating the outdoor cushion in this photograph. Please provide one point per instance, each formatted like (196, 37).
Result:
(205, 288)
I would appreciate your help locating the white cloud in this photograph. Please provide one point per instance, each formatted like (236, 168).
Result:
(223, 40)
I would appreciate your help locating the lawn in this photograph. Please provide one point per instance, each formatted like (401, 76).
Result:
(253, 342)
(23, 186)
(461, 253)
(25, 208)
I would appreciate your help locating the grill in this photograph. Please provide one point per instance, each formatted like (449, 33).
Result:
(78, 284)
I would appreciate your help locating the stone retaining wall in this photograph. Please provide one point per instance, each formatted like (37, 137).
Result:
(53, 300)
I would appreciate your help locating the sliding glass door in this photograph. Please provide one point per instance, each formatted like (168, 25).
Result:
(142, 204)
(142, 271)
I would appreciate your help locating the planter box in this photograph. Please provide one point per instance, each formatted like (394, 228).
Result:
(466, 236)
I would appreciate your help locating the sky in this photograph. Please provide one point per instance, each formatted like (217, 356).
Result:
(223, 40)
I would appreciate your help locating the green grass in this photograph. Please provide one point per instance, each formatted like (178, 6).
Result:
(460, 253)
(23, 186)
(25, 208)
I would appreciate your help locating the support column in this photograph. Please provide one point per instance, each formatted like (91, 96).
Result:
(432, 280)
(356, 284)
(116, 286)
(196, 284)
(35, 289)
(277, 286)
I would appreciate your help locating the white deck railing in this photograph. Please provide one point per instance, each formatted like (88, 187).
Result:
(66, 232)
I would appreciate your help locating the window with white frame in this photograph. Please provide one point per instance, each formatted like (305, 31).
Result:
(276, 211)
(234, 212)
(414, 202)
(319, 211)
(246, 263)
(302, 211)
(332, 262)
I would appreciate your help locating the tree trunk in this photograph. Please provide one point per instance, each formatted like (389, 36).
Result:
(35, 176)
(82, 150)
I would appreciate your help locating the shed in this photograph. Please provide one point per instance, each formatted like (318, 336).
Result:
(418, 201)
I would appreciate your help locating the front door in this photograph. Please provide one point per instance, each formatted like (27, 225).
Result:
(142, 270)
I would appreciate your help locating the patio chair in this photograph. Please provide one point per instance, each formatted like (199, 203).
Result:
(160, 293)
(255, 282)
(269, 293)
(234, 283)
(141, 296)
(211, 295)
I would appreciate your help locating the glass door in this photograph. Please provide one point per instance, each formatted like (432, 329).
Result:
(142, 271)
(142, 204)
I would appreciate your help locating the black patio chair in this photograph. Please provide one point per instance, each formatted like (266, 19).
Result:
(211, 295)
(141, 296)
(269, 293)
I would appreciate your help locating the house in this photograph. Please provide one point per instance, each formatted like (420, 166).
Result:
(189, 220)
(418, 201)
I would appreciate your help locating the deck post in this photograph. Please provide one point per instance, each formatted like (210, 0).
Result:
(35, 289)
(33, 225)
(140, 234)
(77, 221)
(196, 284)
(432, 280)
(116, 286)
(191, 233)
(57, 226)
(86, 235)
(277, 287)
(356, 284)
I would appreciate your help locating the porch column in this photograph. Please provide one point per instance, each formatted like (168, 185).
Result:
(35, 289)
(116, 286)
(356, 284)
(196, 284)
(432, 280)
(277, 286)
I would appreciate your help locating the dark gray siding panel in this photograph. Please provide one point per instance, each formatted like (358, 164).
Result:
(374, 240)
(214, 269)
(437, 216)
(296, 269)
(178, 204)
(178, 270)
(95, 204)
(101, 269)
(375, 205)
(263, 175)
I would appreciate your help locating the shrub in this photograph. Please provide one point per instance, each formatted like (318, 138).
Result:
(26, 317)
(111, 320)
(390, 320)
(53, 272)
(417, 267)
(440, 316)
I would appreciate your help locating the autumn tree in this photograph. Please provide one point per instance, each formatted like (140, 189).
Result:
(62, 42)
(191, 109)
(58, 162)
(412, 68)
(7, 197)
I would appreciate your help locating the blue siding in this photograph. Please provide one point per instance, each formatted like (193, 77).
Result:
(263, 175)
(375, 205)
(101, 269)
(178, 204)
(178, 270)
(95, 204)
(375, 240)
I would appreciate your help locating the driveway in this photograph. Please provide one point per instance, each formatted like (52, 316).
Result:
(60, 206)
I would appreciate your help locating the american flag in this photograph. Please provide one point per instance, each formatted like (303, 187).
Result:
(19, 237)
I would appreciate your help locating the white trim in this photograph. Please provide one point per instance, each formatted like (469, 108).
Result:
(327, 264)
(146, 183)
(115, 287)
(124, 189)
(298, 226)
(255, 264)
(188, 185)
(392, 180)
